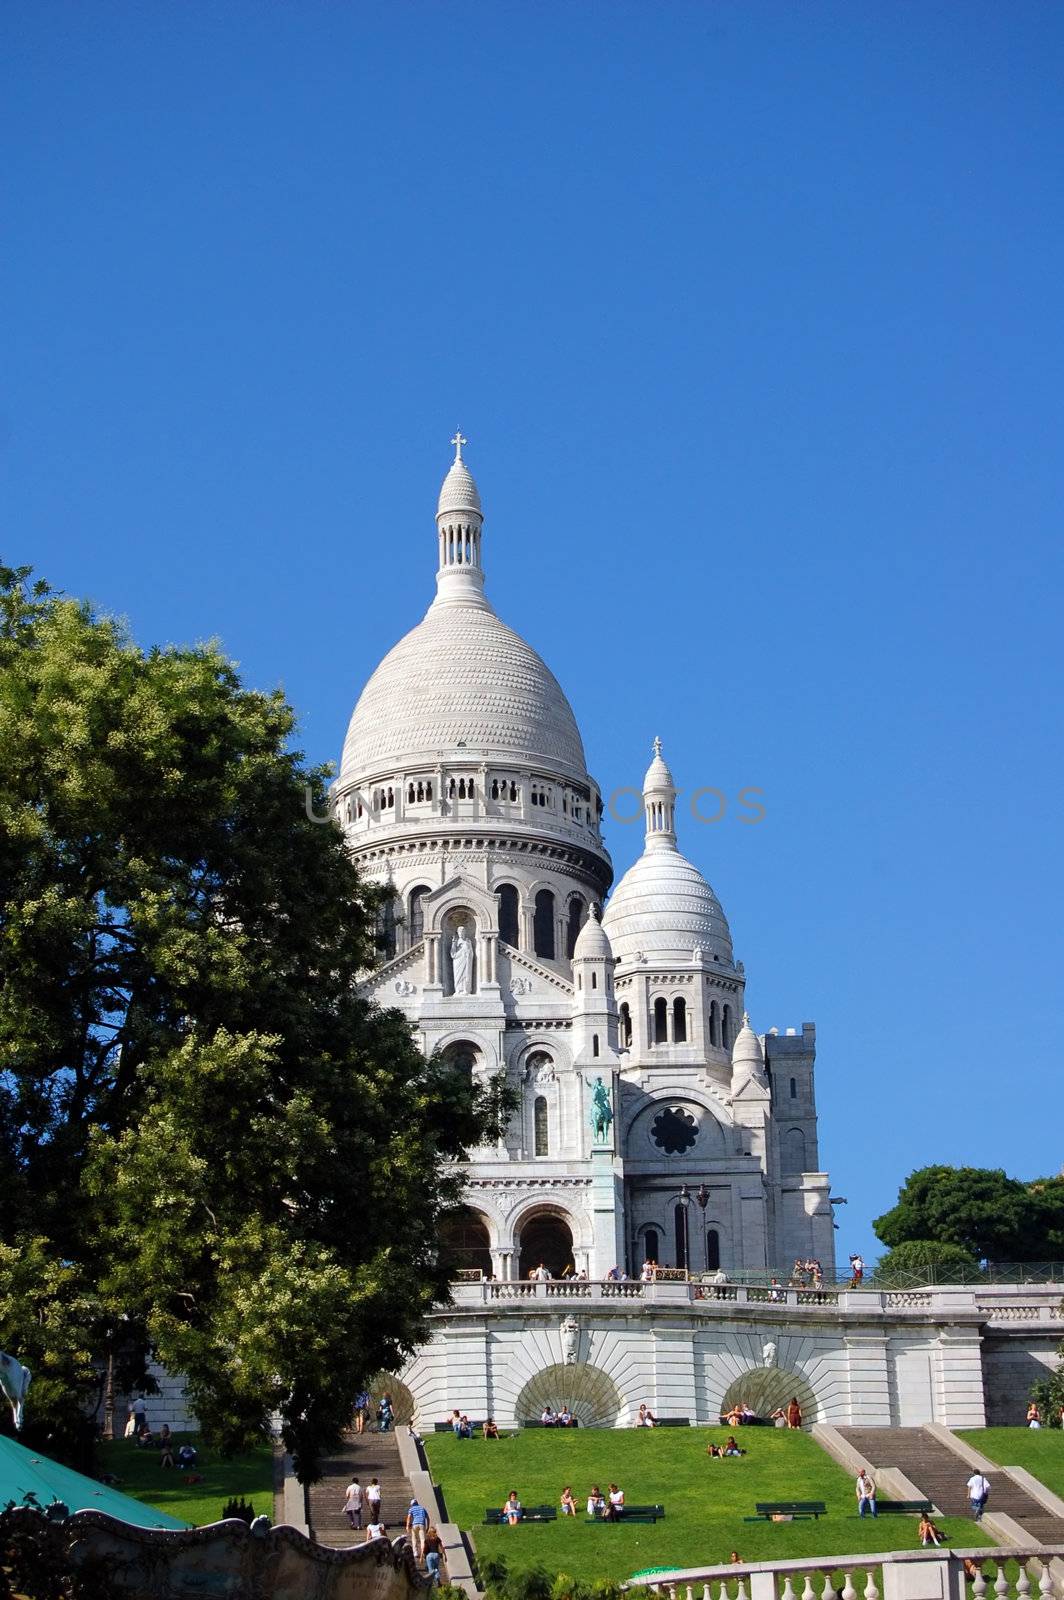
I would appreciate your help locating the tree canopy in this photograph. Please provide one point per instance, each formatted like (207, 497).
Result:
(210, 1140)
(982, 1210)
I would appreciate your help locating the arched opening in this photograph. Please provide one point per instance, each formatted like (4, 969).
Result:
(626, 1026)
(464, 1241)
(543, 925)
(594, 1044)
(794, 1088)
(725, 1028)
(792, 1151)
(650, 1244)
(712, 1249)
(661, 1021)
(590, 1394)
(577, 918)
(416, 914)
(681, 1222)
(679, 1020)
(546, 1239)
(509, 915)
(460, 953)
(540, 1128)
(769, 1389)
(462, 1056)
(714, 1024)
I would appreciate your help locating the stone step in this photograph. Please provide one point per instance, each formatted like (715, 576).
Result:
(365, 1456)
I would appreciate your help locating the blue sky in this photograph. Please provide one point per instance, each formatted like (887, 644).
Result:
(751, 313)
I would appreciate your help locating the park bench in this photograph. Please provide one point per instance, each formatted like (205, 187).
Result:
(921, 1508)
(558, 1427)
(445, 1427)
(632, 1514)
(673, 1422)
(493, 1516)
(799, 1509)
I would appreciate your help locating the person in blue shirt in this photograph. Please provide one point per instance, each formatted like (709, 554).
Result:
(417, 1521)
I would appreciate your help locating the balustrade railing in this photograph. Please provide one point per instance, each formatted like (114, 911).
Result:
(1020, 1573)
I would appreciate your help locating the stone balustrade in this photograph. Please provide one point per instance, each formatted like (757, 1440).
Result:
(1020, 1573)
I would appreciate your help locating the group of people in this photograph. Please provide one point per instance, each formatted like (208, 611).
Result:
(181, 1457)
(557, 1419)
(425, 1541)
(364, 1412)
(1034, 1417)
(807, 1274)
(462, 1428)
(720, 1451)
(608, 1507)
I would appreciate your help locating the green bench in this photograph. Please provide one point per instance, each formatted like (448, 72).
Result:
(632, 1514)
(673, 1422)
(446, 1427)
(799, 1509)
(556, 1427)
(494, 1515)
(922, 1508)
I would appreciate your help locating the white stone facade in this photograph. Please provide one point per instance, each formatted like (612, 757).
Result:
(464, 789)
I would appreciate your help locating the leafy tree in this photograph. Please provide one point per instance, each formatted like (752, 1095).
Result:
(208, 1136)
(981, 1209)
(927, 1261)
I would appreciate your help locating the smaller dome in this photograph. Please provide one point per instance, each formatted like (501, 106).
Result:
(459, 492)
(658, 775)
(746, 1051)
(591, 942)
(663, 909)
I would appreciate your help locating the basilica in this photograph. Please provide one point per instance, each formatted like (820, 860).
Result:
(654, 1121)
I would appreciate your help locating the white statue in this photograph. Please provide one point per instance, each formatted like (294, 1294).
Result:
(570, 1338)
(768, 1353)
(14, 1382)
(462, 961)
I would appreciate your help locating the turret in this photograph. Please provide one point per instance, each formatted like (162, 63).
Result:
(594, 1002)
(459, 523)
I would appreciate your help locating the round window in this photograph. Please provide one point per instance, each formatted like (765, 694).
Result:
(674, 1130)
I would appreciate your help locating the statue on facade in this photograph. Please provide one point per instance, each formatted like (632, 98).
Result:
(570, 1339)
(601, 1111)
(14, 1382)
(768, 1353)
(462, 961)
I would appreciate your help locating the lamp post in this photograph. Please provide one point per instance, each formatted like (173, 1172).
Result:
(685, 1197)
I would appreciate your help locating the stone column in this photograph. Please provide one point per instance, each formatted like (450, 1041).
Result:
(507, 1265)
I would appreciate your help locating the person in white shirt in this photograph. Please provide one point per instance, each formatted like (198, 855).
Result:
(647, 1274)
(978, 1494)
(373, 1500)
(375, 1531)
(547, 1417)
(596, 1504)
(866, 1494)
(352, 1506)
(616, 1506)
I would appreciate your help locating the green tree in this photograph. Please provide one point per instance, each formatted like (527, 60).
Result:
(985, 1212)
(927, 1261)
(206, 1131)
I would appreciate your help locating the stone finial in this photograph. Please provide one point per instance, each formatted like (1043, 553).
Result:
(458, 442)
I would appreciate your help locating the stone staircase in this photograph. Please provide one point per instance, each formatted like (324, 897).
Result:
(365, 1456)
(941, 1475)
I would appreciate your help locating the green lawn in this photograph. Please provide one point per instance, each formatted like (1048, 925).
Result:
(705, 1500)
(1040, 1450)
(140, 1476)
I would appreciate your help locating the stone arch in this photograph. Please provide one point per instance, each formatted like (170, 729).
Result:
(465, 1240)
(403, 1403)
(509, 898)
(460, 916)
(575, 917)
(590, 1394)
(768, 1389)
(792, 1151)
(547, 1231)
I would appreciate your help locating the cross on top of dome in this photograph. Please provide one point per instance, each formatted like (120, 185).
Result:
(458, 442)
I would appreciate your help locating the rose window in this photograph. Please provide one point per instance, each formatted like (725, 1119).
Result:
(674, 1130)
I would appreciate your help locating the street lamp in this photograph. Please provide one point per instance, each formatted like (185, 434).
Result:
(685, 1197)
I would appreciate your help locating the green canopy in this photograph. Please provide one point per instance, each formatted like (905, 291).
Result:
(23, 1472)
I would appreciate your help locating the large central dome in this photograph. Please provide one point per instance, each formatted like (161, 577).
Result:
(462, 680)
(461, 684)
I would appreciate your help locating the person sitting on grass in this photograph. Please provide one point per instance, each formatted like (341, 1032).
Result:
(547, 1417)
(186, 1457)
(568, 1503)
(715, 1451)
(615, 1507)
(465, 1428)
(734, 1417)
(731, 1448)
(491, 1428)
(166, 1447)
(778, 1418)
(928, 1532)
(736, 1559)
(596, 1504)
(646, 1417)
(565, 1417)
(513, 1510)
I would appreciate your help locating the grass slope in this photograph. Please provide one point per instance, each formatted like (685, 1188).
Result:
(1040, 1450)
(705, 1500)
(140, 1476)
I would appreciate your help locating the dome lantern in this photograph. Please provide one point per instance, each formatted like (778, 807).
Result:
(659, 803)
(459, 523)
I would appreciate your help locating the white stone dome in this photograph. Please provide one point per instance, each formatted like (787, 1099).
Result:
(459, 492)
(664, 909)
(746, 1051)
(462, 682)
(591, 942)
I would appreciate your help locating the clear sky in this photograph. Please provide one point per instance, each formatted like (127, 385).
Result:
(751, 314)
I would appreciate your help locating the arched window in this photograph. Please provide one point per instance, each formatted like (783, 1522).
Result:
(543, 925)
(509, 915)
(661, 1021)
(792, 1151)
(712, 1249)
(410, 792)
(539, 1117)
(594, 980)
(794, 1088)
(594, 1044)
(680, 1221)
(650, 1244)
(679, 1020)
(428, 792)
(626, 1026)
(416, 913)
(577, 918)
(725, 1028)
